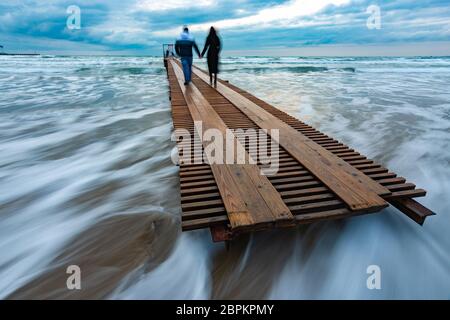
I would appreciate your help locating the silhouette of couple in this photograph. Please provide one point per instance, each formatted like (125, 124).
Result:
(184, 45)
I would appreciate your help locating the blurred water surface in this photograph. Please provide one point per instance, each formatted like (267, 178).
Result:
(86, 179)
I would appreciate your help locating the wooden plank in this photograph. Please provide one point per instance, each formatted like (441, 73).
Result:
(259, 212)
(358, 191)
(203, 223)
(249, 197)
(325, 215)
(267, 191)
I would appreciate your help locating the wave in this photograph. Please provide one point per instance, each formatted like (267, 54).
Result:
(133, 70)
(141, 70)
(125, 70)
(293, 69)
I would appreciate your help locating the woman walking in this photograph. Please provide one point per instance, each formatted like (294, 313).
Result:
(213, 46)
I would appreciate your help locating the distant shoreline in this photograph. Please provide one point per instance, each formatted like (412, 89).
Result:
(19, 54)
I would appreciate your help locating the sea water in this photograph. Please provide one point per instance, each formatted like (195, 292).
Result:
(86, 179)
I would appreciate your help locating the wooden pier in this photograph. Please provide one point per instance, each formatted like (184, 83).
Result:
(318, 177)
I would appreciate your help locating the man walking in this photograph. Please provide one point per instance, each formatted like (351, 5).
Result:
(183, 48)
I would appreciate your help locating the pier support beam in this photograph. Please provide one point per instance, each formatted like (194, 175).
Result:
(220, 233)
(412, 209)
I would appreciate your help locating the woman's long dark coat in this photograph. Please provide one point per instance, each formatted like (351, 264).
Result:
(213, 46)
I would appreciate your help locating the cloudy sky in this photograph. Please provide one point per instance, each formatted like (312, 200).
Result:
(289, 27)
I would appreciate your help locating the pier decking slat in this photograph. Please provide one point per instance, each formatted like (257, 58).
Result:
(307, 198)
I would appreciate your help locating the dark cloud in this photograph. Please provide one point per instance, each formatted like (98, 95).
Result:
(120, 25)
